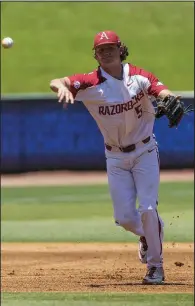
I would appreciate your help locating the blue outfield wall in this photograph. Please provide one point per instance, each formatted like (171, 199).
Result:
(38, 134)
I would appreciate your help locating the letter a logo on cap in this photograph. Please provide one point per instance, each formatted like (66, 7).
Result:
(104, 36)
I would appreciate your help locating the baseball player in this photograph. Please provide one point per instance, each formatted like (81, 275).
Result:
(119, 96)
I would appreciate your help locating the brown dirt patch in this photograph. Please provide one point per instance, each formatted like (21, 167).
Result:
(92, 267)
(53, 178)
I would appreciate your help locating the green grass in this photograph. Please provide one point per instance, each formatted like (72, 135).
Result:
(55, 39)
(84, 213)
(114, 299)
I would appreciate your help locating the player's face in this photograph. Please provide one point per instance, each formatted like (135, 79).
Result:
(107, 54)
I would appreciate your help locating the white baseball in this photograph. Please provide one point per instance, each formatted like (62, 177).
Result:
(7, 42)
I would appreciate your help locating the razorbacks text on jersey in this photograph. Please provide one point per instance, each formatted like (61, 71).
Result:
(122, 109)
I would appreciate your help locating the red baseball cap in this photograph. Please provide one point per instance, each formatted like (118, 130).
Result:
(105, 37)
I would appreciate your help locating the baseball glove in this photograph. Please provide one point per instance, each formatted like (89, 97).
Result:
(173, 109)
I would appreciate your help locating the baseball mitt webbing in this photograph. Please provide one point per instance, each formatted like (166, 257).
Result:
(173, 109)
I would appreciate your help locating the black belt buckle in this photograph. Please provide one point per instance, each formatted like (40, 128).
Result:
(128, 149)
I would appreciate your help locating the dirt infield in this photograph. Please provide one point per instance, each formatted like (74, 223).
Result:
(92, 267)
(79, 178)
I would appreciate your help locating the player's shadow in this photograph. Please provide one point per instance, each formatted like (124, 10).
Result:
(136, 284)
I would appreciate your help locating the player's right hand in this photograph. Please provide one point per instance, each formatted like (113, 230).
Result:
(64, 95)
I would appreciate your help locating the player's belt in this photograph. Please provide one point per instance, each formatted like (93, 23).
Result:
(127, 149)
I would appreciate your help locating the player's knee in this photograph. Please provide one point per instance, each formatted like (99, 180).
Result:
(146, 207)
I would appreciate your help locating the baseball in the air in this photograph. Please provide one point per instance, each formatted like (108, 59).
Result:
(7, 42)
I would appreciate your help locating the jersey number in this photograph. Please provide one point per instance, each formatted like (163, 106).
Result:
(138, 110)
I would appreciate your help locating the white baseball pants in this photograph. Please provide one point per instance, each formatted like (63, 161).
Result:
(132, 176)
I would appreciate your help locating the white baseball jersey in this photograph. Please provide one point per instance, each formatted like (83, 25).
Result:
(122, 108)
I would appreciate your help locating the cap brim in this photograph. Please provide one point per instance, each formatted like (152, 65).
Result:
(106, 43)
